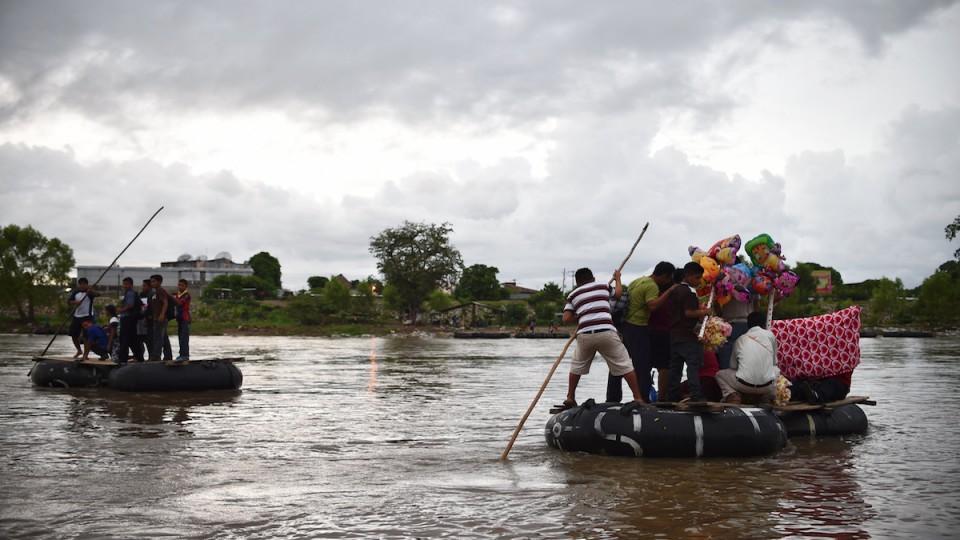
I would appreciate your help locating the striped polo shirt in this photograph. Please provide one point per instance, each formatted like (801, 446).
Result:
(591, 303)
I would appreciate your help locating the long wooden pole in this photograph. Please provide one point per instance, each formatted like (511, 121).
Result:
(107, 269)
(703, 325)
(556, 363)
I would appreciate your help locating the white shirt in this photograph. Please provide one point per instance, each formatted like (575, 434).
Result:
(755, 356)
(85, 308)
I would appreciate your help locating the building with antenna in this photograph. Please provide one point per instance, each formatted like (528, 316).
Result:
(199, 271)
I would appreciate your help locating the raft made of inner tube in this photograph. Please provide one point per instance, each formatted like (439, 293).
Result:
(542, 335)
(843, 420)
(171, 376)
(69, 373)
(618, 430)
(212, 374)
(480, 335)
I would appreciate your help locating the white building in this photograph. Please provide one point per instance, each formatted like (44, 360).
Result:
(198, 272)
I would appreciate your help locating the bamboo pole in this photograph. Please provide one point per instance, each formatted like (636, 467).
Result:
(107, 269)
(556, 363)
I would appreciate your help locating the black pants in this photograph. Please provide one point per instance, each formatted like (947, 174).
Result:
(129, 343)
(637, 341)
(691, 354)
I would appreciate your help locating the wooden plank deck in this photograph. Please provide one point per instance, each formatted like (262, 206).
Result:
(109, 363)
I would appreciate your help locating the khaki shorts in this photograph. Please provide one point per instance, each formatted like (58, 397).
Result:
(609, 346)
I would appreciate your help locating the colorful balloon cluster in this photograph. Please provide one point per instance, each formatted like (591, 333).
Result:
(733, 280)
(771, 274)
(717, 266)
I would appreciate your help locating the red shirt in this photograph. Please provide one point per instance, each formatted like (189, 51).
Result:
(183, 306)
(710, 364)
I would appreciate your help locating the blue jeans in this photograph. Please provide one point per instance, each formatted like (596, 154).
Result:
(724, 352)
(691, 354)
(183, 334)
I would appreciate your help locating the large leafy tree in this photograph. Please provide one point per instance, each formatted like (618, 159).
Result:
(31, 267)
(951, 232)
(267, 267)
(415, 259)
(479, 282)
(317, 282)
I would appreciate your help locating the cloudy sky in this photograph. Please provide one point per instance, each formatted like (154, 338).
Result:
(546, 133)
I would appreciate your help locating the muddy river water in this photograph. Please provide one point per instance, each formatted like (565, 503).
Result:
(399, 437)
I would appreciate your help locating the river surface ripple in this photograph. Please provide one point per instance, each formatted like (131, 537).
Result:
(399, 437)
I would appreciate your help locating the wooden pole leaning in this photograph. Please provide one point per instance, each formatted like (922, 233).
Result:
(556, 363)
(703, 325)
(107, 269)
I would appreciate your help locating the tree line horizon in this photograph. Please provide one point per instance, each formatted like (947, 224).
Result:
(422, 271)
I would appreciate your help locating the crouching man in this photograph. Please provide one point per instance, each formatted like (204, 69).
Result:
(589, 305)
(753, 371)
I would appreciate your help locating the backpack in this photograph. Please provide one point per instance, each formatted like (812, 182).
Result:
(171, 308)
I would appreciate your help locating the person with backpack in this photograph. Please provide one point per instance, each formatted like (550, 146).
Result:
(160, 309)
(129, 313)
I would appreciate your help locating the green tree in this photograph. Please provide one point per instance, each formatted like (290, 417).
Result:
(478, 282)
(939, 300)
(317, 282)
(886, 303)
(951, 231)
(31, 268)
(515, 313)
(267, 267)
(416, 258)
(439, 300)
(238, 286)
(551, 291)
(336, 297)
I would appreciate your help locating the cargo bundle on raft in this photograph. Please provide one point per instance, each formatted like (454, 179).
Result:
(169, 376)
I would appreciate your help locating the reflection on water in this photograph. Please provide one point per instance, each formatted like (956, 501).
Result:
(399, 437)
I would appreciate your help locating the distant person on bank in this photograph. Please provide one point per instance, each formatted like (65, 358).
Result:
(685, 346)
(182, 301)
(644, 297)
(753, 365)
(95, 339)
(81, 299)
(589, 306)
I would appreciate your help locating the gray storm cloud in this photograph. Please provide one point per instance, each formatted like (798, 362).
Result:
(602, 77)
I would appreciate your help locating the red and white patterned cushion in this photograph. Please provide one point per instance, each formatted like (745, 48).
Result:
(821, 346)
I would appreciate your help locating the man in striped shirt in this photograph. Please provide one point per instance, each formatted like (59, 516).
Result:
(589, 305)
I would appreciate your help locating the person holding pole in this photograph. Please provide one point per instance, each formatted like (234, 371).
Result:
(589, 305)
(645, 296)
(685, 346)
(81, 299)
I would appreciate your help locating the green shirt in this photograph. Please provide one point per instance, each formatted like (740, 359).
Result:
(641, 291)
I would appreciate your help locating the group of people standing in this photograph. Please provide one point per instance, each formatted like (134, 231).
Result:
(652, 324)
(137, 326)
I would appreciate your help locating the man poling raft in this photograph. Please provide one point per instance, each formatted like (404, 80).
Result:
(818, 355)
